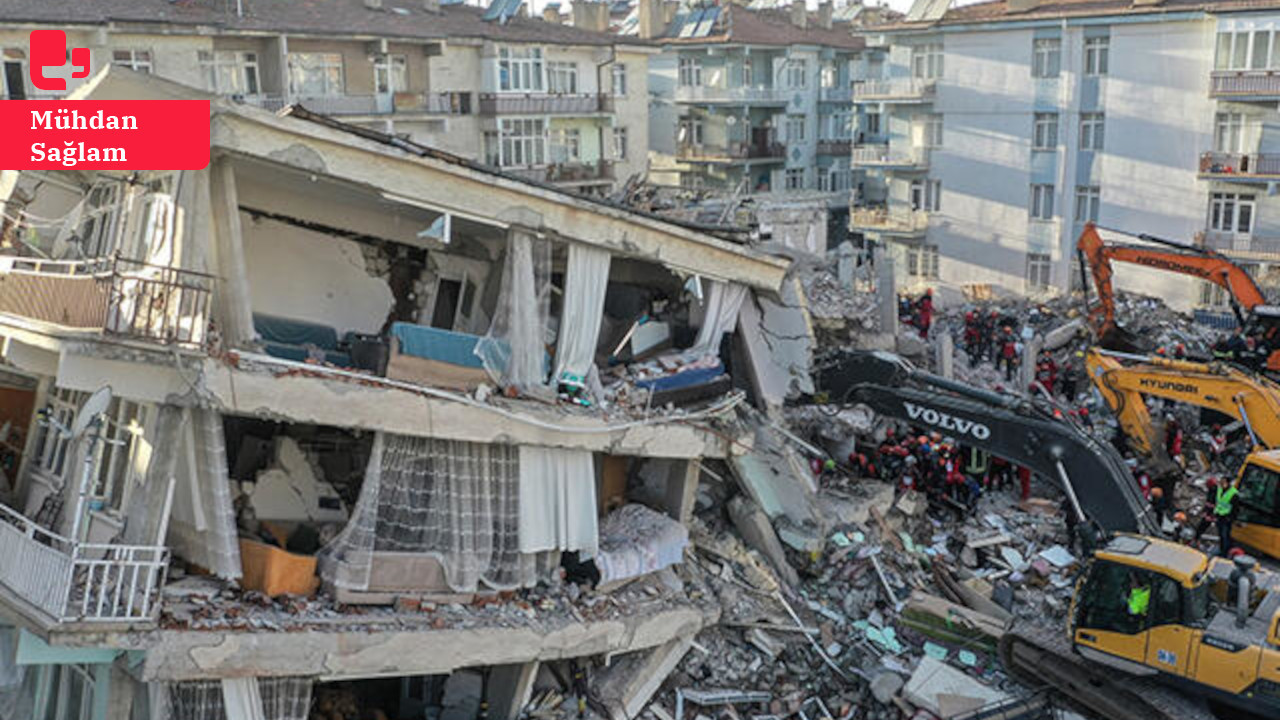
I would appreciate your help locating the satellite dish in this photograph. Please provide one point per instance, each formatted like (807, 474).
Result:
(97, 404)
(731, 120)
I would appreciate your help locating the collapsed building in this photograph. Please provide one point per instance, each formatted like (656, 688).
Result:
(337, 358)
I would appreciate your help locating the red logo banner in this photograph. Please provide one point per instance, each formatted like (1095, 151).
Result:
(104, 134)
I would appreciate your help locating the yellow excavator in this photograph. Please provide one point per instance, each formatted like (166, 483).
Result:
(1153, 608)
(1123, 379)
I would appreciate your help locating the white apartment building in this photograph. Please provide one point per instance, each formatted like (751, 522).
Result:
(1007, 125)
(553, 102)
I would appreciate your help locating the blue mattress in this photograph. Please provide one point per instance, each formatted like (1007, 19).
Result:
(431, 343)
(288, 331)
(683, 379)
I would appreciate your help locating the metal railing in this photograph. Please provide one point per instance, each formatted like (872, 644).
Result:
(1244, 83)
(1225, 242)
(884, 155)
(708, 93)
(568, 172)
(883, 220)
(896, 89)
(1247, 164)
(732, 151)
(442, 103)
(125, 298)
(841, 93)
(537, 104)
(79, 582)
(835, 147)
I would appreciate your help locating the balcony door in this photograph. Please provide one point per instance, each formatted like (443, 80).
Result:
(390, 76)
(1231, 216)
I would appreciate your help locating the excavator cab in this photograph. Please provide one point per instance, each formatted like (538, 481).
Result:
(1257, 522)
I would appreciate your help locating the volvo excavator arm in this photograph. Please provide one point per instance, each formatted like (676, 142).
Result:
(1205, 264)
(1018, 430)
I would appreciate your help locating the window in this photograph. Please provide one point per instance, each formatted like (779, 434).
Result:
(620, 143)
(1038, 268)
(1096, 52)
(492, 148)
(795, 179)
(840, 126)
(1247, 50)
(51, 445)
(98, 225)
(926, 61)
(523, 141)
(136, 60)
(520, 69)
(1041, 202)
(1092, 127)
(315, 74)
(690, 131)
(1260, 496)
(1106, 592)
(1046, 58)
(1088, 198)
(690, 74)
(830, 75)
(795, 128)
(835, 179)
(926, 195)
(871, 121)
(229, 72)
(1228, 132)
(118, 457)
(797, 74)
(13, 76)
(566, 145)
(1045, 131)
(1231, 213)
(748, 77)
(922, 262)
(620, 79)
(1166, 601)
(933, 131)
(391, 74)
(66, 692)
(562, 77)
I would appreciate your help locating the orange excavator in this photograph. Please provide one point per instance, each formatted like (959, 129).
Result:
(1257, 319)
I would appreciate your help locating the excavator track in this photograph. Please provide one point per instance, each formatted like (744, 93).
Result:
(1037, 659)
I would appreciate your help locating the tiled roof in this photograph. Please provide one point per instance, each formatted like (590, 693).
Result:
(999, 11)
(396, 19)
(737, 24)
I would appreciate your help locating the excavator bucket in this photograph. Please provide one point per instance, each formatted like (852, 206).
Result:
(1121, 340)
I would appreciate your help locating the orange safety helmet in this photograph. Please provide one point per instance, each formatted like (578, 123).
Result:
(1157, 492)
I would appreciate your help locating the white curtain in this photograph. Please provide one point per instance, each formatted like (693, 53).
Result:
(720, 315)
(241, 698)
(203, 524)
(586, 280)
(557, 500)
(514, 349)
(455, 501)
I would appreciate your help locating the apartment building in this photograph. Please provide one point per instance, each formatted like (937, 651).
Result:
(1010, 124)
(752, 101)
(554, 102)
(337, 358)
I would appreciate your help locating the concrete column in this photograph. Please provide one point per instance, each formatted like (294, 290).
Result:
(628, 685)
(232, 293)
(945, 355)
(886, 292)
(117, 702)
(682, 489)
(510, 689)
(1030, 351)
(846, 264)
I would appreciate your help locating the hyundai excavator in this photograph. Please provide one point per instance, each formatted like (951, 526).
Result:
(1123, 380)
(1256, 318)
(1187, 631)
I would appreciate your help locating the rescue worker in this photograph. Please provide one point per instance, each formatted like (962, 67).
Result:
(1206, 510)
(1224, 512)
(989, 336)
(1217, 444)
(1073, 523)
(1070, 376)
(924, 310)
(978, 462)
(1139, 598)
(1008, 353)
(1159, 503)
(1173, 437)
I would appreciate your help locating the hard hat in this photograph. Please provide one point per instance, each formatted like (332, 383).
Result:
(1084, 412)
(1217, 428)
(1235, 552)
(1180, 517)
(923, 440)
(1157, 492)
(1212, 482)
(968, 316)
(888, 432)
(1160, 350)
(1080, 353)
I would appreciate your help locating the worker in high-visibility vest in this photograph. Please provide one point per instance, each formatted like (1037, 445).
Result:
(1139, 597)
(1224, 512)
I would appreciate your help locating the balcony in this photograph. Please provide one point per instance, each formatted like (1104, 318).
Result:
(569, 173)
(888, 158)
(734, 152)
(1240, 167)
(541, 104)
(835, 147)
(1245, 85)
(122, 298)
(842, 94)
(882, 220)
(1247, 247)
(901, 90)
(743, 95)
(438, 103)
(61, 581)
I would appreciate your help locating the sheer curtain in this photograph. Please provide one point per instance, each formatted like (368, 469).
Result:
(455, 501)
(586, 280)
(513, 351)
(203, 524)
(557, 500)
(720, 315)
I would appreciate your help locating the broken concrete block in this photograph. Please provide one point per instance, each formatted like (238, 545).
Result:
(756, 531)
(911, 504)
(629, 683)
(886, 686)
(936, 684)
(766, 643)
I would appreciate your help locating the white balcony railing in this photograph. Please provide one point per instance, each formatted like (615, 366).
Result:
(706, 93)
(886, 156)
(1262, 84)
(441, 103)
(79, 582)
(842, 94)
(902, 89)
(883, 220)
